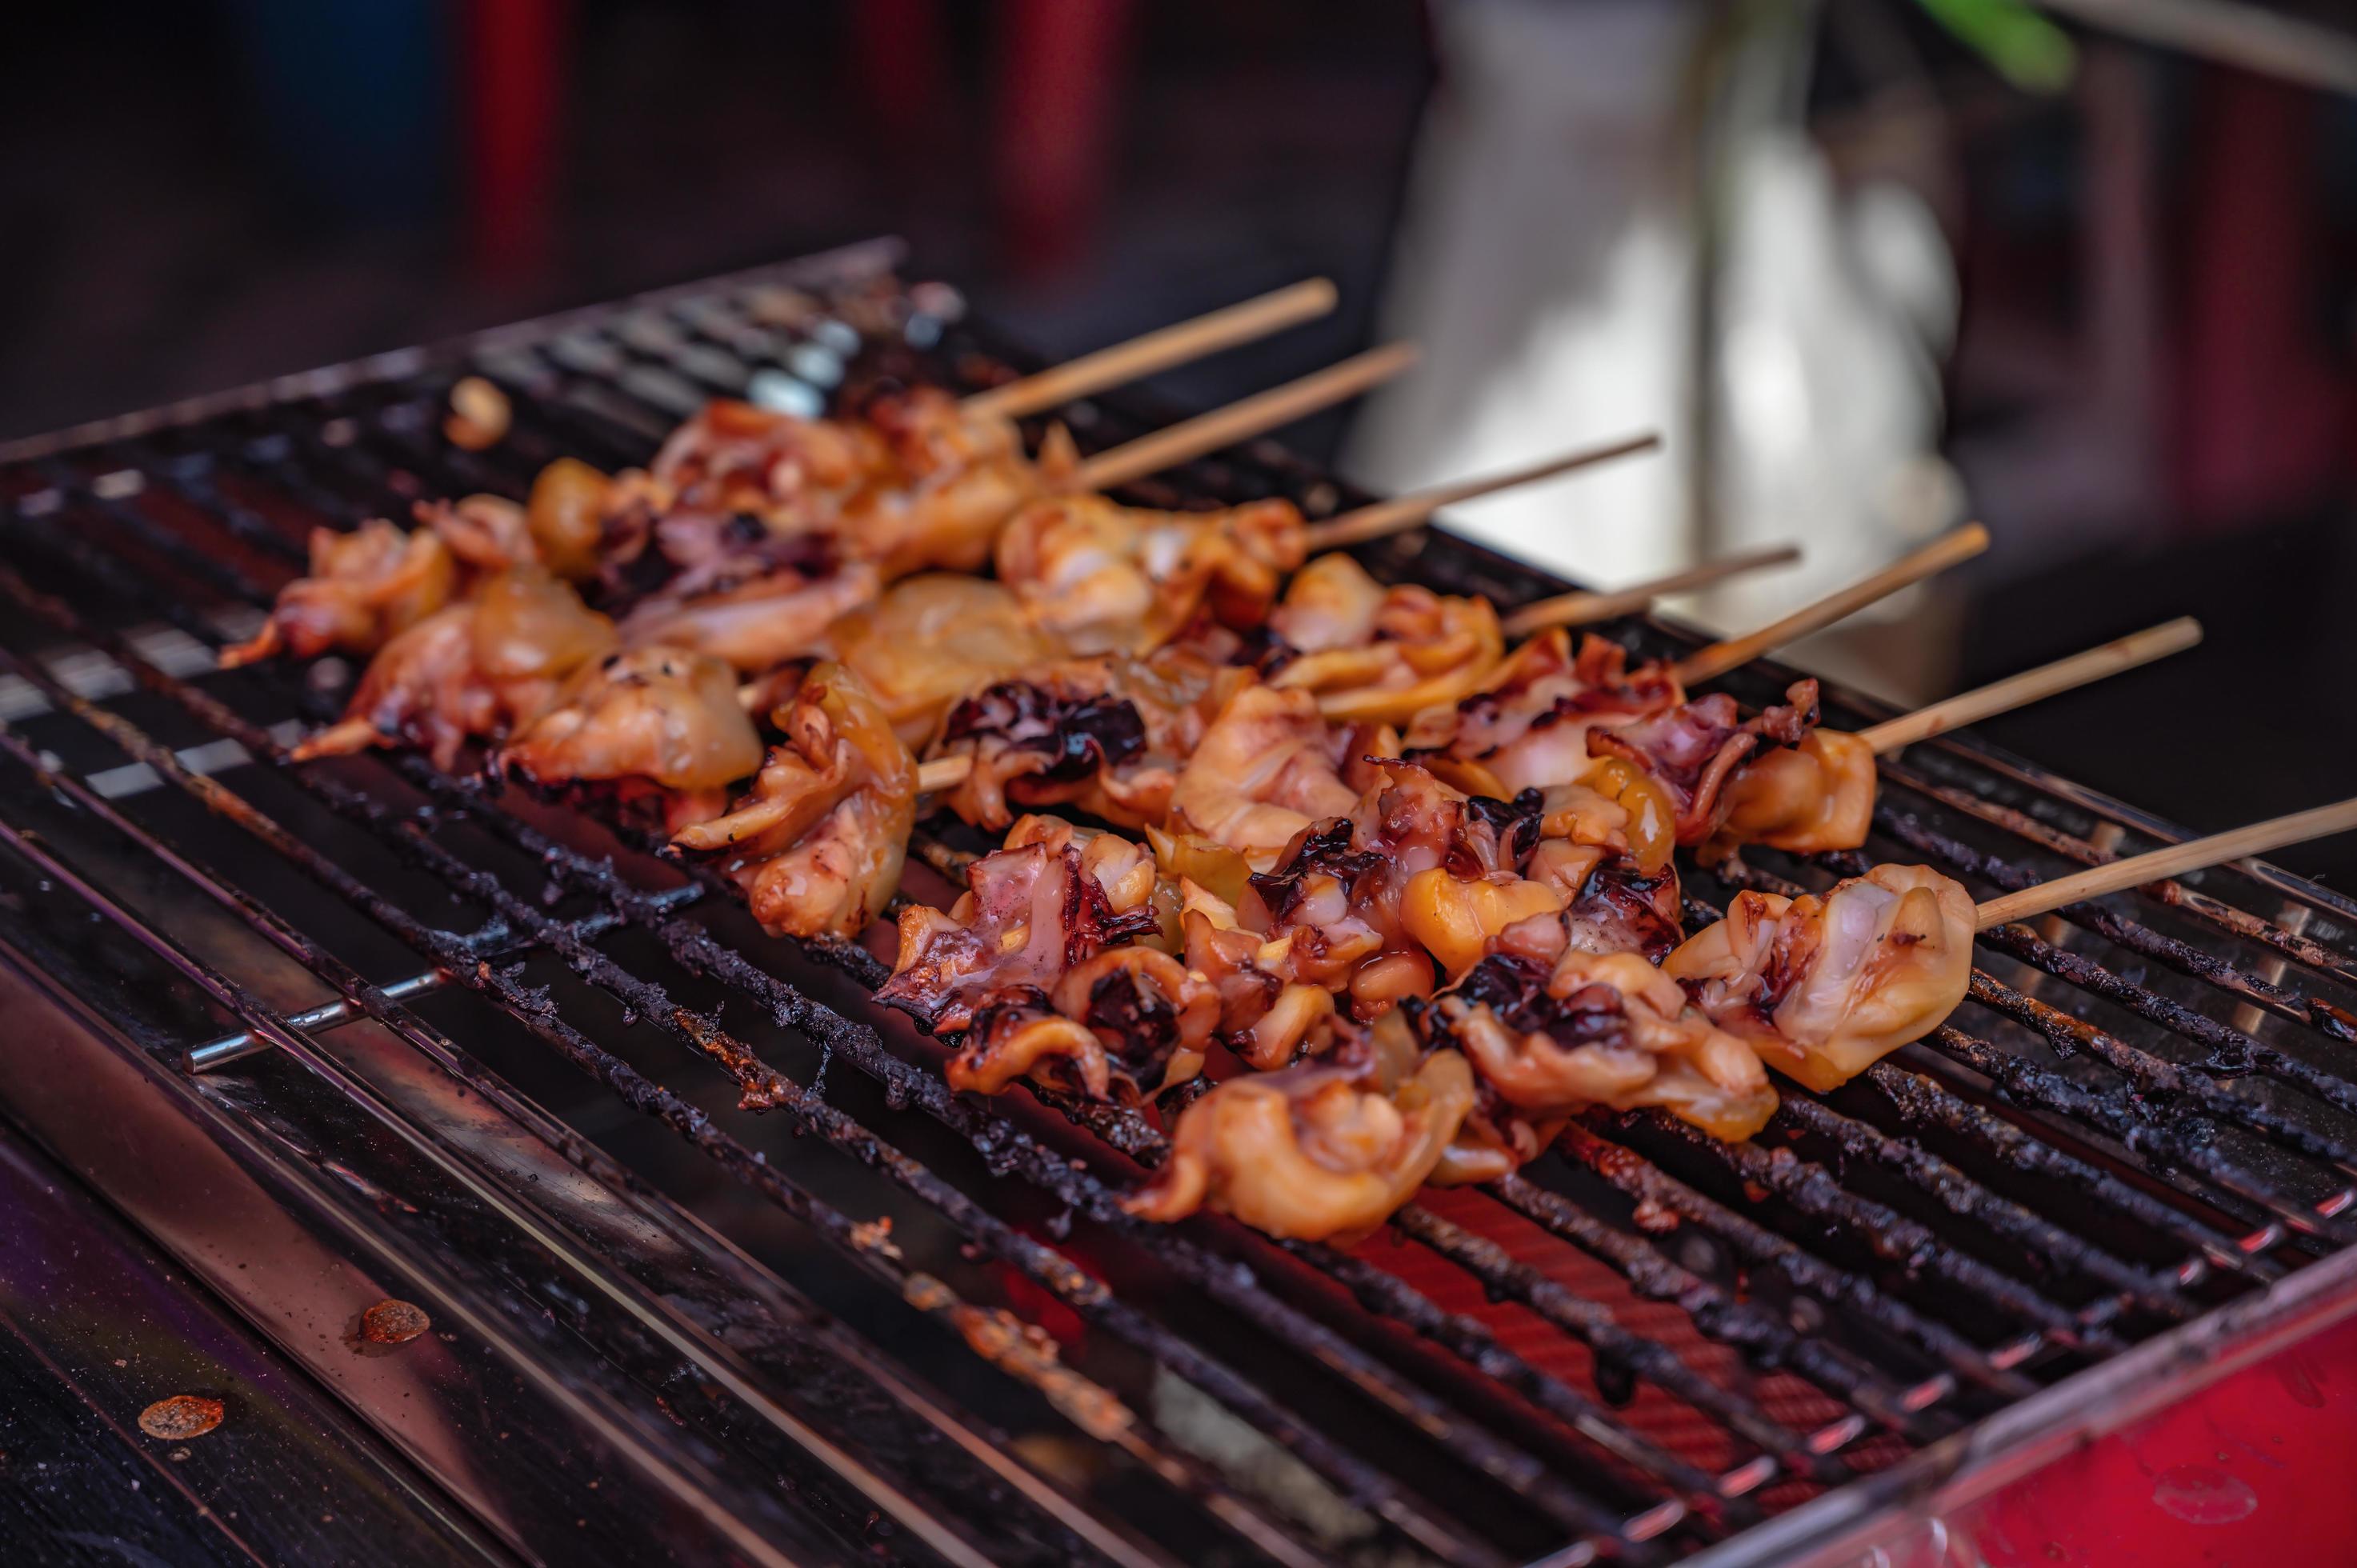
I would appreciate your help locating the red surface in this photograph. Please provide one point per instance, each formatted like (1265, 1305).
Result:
(510, 70)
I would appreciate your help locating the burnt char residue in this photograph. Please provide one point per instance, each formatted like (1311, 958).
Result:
(1630, 910)
(1516, 822)
(1261, 649)
(1090, 924)
(1515, 990)
(1140, 1020)
(1323, 846)
(1077, 736)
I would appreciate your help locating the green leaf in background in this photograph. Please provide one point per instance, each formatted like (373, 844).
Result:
(2023, 47)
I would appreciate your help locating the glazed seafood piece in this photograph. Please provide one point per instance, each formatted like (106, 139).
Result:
(474, 670)
(1553, 1029)
(1822, 987)
(1528, 724)
(363, 588)
(1267, 768)
(1121, 1026)
(1375, 654)
(818, 842)
(660, 724)
(932, 639)
(1107, 734)
(1101, 577)
(1324, 1152)
(1052, 898)
(756, 606)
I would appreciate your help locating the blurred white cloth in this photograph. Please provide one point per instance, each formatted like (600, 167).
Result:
(1547, 267)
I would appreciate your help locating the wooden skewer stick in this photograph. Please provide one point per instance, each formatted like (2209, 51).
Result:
(2320, 822)
(2033, 686)
(943, 773)
(1961, 544)
(1586, 608)
(1241, 421)
(1377, 519)
(1158, 351)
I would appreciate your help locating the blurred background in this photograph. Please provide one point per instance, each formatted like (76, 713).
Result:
(2087, 271)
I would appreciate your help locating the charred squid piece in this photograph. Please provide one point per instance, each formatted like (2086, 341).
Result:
(1823, 988)
(1107, 736)
(1326, 1151)
(756, 608)
(473, 670)
(1266, 1014)
(1378, 655)
(933, 638)
(1693, 751)
(1528, 725)
(364, 588)
(1598, 1030)
(1030, 912)
(818, 843)
(1267, 768)
(1103, 578)
(659, 722)
(955, 478)
(562, 527)
(1807, 799)
(1121, 1026)
(792, 474)
(1610, 905)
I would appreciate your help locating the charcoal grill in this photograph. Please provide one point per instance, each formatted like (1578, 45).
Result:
(720, 1271)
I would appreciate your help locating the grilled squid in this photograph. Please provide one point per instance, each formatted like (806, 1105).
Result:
(1101, 577)
(818, 843)
(655, 720)
(1554, 1031)
(733, 459)
(933, 638)
(363, 588)
(1106, 734)
(1120, 1025)
(756, 608)
(1823, 988)
(1267, 768)
(956, 479)
(1030, 912)
(1809, 798)
(476, 669)
(1323, 1151)
(1381, 655)
(1528, 725)
(1694, 751)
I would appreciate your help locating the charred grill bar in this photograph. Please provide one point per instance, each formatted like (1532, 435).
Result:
(2013, 1216)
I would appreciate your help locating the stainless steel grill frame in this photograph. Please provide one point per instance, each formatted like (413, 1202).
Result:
(2123, 1169)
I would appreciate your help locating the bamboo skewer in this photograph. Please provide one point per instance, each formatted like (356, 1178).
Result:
(1254, 415)
(1585, 607)
(1961, 544)
(2320, 822)
(943, 773)
(2033, 686)
(1378, 519)
(1178, 344)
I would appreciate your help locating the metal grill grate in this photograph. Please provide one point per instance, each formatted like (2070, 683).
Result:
(1646, 1346)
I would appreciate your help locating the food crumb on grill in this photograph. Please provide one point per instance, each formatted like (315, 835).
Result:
(1654, 1215)
(479, 414)
(180, 1416)
(876, 1236)
(392, 1322)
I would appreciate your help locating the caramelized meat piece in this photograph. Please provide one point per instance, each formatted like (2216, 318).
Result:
(364, 586)
(1107, 734)
(756, 608)
(1030, 913)
(475, 669)
(1823, 987)
(1101, 577)
(654, 716)
(1599, 1029)
(955, 480)
(1381, 655)
(818, 843)
(1321, 1151)
(792, 473)
(1693, 751)
(1265, 1012)
(1267, 768)
(932, 639)
(1120, 1025)
(1528, 726)
(1808, 799)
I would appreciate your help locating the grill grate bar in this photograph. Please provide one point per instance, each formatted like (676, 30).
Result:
(1093, 1408)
